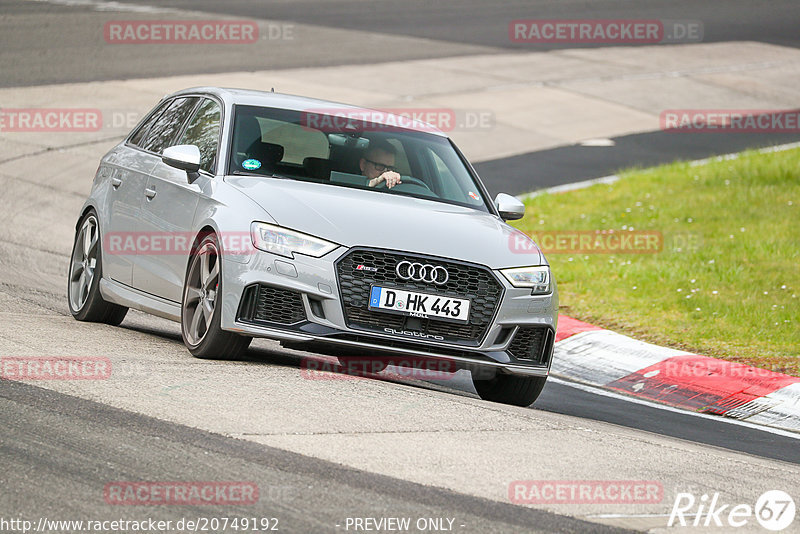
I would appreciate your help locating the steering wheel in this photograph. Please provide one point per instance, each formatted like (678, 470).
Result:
(408, 180)
(414, 189)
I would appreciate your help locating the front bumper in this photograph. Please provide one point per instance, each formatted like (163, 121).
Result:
(308, 294)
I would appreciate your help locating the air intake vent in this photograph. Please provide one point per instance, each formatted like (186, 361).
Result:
(266, 304)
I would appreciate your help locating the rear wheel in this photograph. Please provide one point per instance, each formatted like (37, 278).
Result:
(201, 308)
(85, 272)
(510, 389)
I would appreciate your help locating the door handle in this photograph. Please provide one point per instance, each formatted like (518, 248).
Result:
(150, 192)
(116, 182)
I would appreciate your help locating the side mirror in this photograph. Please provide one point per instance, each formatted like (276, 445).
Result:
(510, 208)
(185, 158)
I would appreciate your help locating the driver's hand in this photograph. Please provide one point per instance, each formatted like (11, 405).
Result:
(390, 177)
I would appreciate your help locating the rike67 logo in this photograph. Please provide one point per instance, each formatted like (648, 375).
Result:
(774, 510)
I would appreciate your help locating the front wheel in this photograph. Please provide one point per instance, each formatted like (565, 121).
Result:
(85, 272)
(201, 307)
(510, 389)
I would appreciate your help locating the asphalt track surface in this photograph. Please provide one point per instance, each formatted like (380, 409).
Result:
(477, 22)
(567, 164)
(58, 450)
(53, 43)
(77, 455)
(46, 42)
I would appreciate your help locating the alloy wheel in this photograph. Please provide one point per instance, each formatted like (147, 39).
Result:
(83, 264)
(200, 296)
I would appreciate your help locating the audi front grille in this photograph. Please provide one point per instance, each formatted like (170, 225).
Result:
(378, 267)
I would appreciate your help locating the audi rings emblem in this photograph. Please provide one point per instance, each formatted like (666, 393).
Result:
(419, 272)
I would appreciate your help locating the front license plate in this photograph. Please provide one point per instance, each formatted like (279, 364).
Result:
(418, 304)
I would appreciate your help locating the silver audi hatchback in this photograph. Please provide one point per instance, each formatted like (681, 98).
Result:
(329, 227)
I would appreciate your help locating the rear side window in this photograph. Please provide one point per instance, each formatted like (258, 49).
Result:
(203, 131)
(138, 135)
(166, 128)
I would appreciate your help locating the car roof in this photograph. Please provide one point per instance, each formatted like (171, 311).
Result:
(249, 97)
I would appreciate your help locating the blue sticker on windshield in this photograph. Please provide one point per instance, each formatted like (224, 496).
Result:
(251, 164)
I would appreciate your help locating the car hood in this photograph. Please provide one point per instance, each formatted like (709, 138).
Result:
(354, 217)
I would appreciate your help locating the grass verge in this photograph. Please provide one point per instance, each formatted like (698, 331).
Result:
(726, 282)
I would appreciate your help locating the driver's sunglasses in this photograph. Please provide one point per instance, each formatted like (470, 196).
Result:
(380, 167)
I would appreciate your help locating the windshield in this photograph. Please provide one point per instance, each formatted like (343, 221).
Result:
(332, 149)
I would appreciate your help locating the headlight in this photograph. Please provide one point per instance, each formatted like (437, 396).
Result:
(285, 242)
(537, 278)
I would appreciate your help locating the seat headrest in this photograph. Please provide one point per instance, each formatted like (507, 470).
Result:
(270, 152)
(317, 168)
(248, 130)
(248, 139)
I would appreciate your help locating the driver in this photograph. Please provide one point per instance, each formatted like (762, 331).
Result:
(377, 164)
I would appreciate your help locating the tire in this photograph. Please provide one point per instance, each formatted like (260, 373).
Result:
(84, 275)
(510, 389)
(200, 314)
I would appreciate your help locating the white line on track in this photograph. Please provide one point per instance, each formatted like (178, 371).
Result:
(110, 6)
